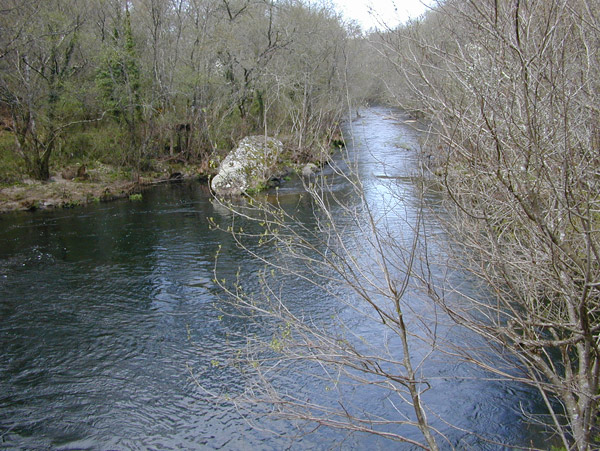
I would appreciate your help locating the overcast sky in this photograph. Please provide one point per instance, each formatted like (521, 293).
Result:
(392, 12)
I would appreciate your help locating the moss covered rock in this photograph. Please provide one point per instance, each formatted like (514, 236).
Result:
(249, 167)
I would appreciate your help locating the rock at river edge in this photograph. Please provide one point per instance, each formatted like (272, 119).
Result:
(249, 167)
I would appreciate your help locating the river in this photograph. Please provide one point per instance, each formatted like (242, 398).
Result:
(106, 312)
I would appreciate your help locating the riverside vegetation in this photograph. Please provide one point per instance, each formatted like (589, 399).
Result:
(510, 90)
(147, 88)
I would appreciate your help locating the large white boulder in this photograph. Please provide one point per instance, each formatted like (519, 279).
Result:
(248, 167)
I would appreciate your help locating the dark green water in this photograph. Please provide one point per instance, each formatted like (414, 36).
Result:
(106, 311)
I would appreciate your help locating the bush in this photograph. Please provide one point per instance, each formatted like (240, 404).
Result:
(12, 167)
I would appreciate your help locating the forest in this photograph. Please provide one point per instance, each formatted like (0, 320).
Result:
(510, 93)
(128, 83)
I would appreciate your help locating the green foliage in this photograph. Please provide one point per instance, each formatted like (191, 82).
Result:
(11, 166)
(257, 188)
(36, 76)
(118, 76)
(106, 142)
(135, 197)
(70, 204)
(227, 130)
(76, 147)
(171, 87)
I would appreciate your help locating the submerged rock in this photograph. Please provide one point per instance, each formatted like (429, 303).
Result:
(309, 169)
(249, 167)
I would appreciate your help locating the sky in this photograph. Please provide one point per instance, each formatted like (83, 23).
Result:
(392, 12)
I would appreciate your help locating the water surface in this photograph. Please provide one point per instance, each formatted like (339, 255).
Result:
(106, 312)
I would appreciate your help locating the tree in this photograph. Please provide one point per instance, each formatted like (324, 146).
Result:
(118, 80)
(512, 97)
(360, 271)
(39, 46)
(310, 75)
(512, 93)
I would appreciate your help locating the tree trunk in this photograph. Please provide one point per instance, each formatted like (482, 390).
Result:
(40, 169)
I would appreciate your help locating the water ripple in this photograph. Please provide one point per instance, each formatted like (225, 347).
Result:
(104, 309)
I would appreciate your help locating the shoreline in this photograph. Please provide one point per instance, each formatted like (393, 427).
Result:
(101, 185)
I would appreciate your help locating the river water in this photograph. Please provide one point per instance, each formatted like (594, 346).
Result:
(106, 312)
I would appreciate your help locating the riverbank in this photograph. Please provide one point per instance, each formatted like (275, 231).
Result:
(101, 183)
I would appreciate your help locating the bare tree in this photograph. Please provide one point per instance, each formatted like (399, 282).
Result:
(359, 271)
(512, 92)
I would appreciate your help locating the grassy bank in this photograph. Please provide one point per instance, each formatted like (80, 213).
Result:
(98, 183)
